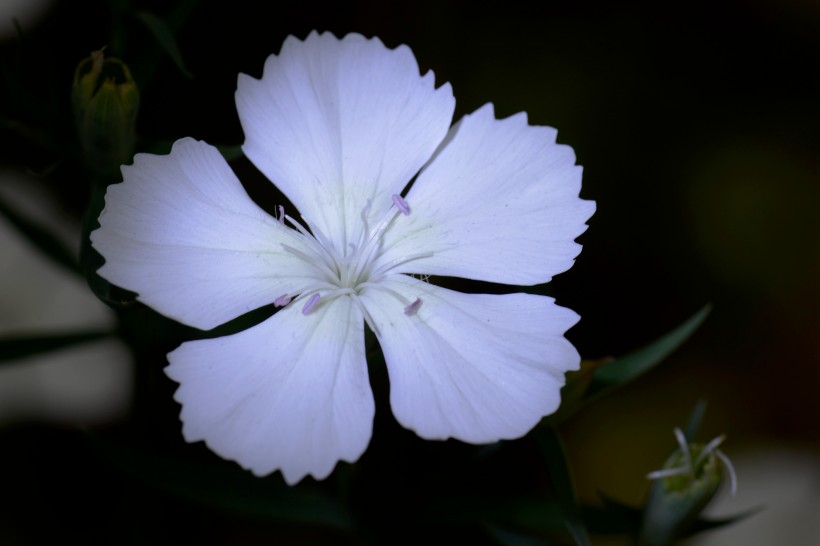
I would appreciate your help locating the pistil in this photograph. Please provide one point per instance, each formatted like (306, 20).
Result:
(347, 273)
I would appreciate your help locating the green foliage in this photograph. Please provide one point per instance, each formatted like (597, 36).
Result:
(562, 483)
(628, 368)
(224, 487)
(598, 378)
(40, 238)
(165, 38)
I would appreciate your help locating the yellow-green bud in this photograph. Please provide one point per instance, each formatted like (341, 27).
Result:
(682, 489)
(105, 100)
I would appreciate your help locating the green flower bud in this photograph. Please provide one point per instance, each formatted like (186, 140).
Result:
(105, 100)
(682, 489)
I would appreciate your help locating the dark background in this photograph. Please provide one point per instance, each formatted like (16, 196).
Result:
(697, 126)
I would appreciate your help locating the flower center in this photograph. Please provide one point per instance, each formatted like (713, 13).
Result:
(349, 271)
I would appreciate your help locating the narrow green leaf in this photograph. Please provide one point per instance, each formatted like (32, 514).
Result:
(165, 38)
(225, 487)
(625, 369)
(40, 238)
(20, 347)
(561, 476)
(693, 426)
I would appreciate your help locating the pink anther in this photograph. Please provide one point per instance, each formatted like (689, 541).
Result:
(311, 303)
(401, 204)
(411, 309)
(282, 300)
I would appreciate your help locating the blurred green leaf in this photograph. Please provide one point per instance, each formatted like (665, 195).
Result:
(693, 425)
(561, 476)
(20, 347)
(627, 368)
(40, 238)
(614, 518)
(617, 518)
(705, 524)
(165, 38)
(225, 487)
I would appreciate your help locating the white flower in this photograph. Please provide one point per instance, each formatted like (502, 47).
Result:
(341, 127)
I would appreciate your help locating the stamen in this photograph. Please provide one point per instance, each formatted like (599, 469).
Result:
(282, 300)
(366, 250)
(411, 309)
(401, 204)
(311, 303)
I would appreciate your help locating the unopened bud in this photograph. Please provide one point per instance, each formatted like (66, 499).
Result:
(105, 100)
(682, 489)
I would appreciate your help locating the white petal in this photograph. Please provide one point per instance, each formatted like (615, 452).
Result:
(289, 394)
(336, 124)
(182, 233)
(474, 367)
(498, 203)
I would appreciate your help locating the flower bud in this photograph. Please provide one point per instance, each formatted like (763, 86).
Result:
(682, 489)
(105, 100)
